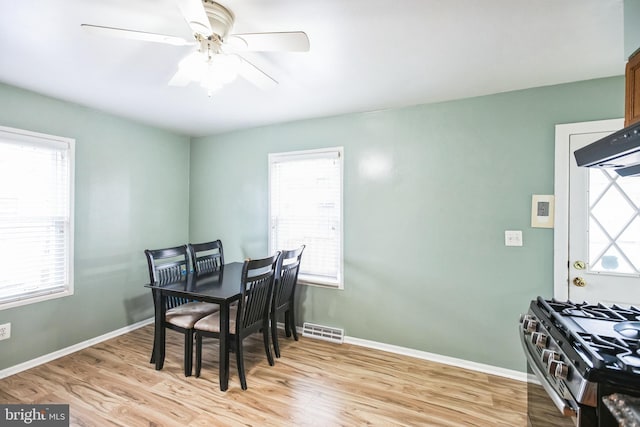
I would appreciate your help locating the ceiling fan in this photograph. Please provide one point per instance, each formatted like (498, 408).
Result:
(216, 60)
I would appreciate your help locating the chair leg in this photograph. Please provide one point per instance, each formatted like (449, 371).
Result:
(153, 352)
(267, 347)
(287, 326)
(188, 352)
(240, 363)
(274, 334)
(198, 353)
(290, 314)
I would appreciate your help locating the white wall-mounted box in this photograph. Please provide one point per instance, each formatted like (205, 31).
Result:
(542, 211)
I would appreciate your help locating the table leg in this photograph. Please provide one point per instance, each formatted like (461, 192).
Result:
(224, 342)
(159, 331)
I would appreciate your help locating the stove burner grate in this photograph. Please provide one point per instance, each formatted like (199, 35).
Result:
(595, 311)
(613, 352)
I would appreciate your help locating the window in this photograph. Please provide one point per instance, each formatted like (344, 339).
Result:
(614, 222)
(36, 220)
(305, 207)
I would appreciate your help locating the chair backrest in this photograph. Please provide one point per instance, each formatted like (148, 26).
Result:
(258, 278)
(206, 257)
(287, 277)
(166, 266)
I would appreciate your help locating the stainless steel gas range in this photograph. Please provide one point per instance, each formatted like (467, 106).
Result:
(580, 353)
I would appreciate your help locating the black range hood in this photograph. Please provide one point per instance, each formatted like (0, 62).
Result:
(619, 151)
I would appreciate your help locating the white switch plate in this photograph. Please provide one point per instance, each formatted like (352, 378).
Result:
(513, 237)
(5, 331)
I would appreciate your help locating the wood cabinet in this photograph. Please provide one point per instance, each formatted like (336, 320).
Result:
(632, 92)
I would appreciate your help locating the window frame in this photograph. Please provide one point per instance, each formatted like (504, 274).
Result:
(305, 154)
(41, 139)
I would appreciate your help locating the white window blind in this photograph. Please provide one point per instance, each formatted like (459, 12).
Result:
(36, 229)
(305, 207)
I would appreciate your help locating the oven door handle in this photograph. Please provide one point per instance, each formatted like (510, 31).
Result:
(562, 405)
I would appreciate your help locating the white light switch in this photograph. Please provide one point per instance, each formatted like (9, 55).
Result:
(513, 237)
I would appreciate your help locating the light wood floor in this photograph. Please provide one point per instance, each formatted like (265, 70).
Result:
(314, 383)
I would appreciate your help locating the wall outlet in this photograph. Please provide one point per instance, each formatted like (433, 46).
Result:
(5, 331)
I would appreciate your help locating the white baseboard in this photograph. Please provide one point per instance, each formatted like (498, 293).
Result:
(461, 363)
(71, 349)
(433, 357)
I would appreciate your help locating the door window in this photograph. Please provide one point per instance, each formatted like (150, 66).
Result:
(614, 222)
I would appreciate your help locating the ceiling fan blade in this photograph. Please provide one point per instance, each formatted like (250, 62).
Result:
(136, 35)
(195, 15)
(254, 75)
(293, 41)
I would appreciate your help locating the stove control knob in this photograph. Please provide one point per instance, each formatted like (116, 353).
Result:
(551, 366)
(530, 325)
(561, 371)
(534, 337)
(524, 317)
(539, 339)
(548, 355)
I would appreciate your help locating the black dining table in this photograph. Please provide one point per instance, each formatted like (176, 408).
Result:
(223, 287)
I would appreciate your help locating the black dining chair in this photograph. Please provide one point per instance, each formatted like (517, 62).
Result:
(284, 294)
(249, 316)
(170, 265)
(206, 257)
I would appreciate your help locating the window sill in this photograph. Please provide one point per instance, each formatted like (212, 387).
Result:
(310, 281)
(35, 299)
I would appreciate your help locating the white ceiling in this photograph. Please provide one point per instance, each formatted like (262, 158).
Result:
(365, 55)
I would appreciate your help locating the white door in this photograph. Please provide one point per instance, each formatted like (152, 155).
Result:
(602, 224)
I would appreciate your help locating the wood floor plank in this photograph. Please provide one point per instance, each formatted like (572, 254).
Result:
(314, 383)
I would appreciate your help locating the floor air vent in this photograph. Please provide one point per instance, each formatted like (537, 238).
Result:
(323, 332)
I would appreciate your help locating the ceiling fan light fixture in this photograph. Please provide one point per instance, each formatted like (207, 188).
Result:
(224, 68)
(194, 65)
(221, 70)
(212, 71)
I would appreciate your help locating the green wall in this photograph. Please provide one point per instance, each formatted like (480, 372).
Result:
(631, 27)
(131, 193)
(425, 262)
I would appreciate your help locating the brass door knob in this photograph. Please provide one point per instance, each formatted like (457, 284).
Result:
(579, 282)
